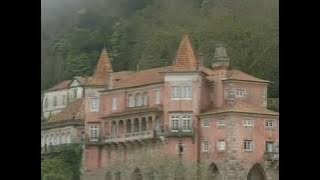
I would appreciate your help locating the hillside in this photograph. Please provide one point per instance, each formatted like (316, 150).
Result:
(147, 32)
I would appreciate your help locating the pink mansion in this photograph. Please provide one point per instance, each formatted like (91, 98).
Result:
(146, 124)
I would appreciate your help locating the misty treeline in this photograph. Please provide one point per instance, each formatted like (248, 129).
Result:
(147, 32)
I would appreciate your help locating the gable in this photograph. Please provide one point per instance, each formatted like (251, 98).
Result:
(74, 83)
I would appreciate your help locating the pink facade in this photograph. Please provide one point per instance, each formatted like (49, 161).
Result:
(197, 114)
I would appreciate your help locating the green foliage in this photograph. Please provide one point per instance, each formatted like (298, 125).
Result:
(64, 166)
(147, 32)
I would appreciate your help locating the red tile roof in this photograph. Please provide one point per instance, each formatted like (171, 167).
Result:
(74, 109)
(185, 59)
(240, 107)
(103, 68)
(239, 75)
(61, 85)
(144, 77)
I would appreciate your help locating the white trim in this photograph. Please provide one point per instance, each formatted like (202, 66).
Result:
(248, 123)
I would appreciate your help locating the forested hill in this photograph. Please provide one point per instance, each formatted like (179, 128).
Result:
(147, 32)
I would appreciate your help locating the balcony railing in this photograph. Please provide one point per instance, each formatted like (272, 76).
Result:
(271, 156)
(140, 135)
(180, 132)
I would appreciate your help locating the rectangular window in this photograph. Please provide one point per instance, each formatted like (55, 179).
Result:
(94, 133)
(158, 96)
(231, 94)
(221, 145)
(206, 122)
(248, 145)
(205, 146)
(114, 103)
(131, 100)
(269, 123)
(175, 122)
(248, 123)
(220, 123)
(94, 103)
(241, 93)
(181, 92)
(181, 121)
(186, 121)
(269, 146)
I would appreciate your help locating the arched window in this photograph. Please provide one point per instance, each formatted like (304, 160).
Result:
(136, 175)
(129, 126)
(130, 100)
(55, 101)
(117, 176)
(145, 99)
(108, 176)
(143, 124)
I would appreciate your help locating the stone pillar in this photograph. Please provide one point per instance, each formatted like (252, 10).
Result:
(233, 166)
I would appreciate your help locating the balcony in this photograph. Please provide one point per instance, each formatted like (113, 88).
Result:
(271, 156)
(179, 133)
(133, 136)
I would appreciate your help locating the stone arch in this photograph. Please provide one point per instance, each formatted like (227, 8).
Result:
(151, 174)
(108, 176)
(117, 175)
(129, 126)
(121, 127)
(136, 125)
(113, 128)
(213, 172)
(179, 172)
(256, 173)
(137, 175)
(150, 123)
(143, 124)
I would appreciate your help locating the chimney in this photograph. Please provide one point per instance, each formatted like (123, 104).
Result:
(221, 58)
(201, 59)
(110, 83)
